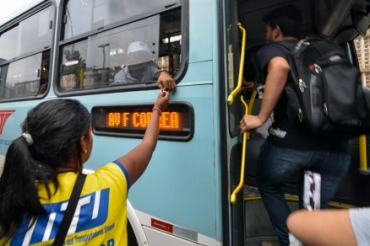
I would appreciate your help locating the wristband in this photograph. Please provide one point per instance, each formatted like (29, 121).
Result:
(157, 109)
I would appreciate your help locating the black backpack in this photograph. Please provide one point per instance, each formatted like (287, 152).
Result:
(326, 95)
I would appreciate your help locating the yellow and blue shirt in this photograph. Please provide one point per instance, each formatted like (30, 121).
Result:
(100, 217)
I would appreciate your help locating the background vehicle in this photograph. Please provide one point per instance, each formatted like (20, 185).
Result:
(75, 48)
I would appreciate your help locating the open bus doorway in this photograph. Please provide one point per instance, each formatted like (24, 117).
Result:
(341, 23)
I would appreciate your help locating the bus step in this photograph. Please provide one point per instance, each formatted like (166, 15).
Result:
(258, 228)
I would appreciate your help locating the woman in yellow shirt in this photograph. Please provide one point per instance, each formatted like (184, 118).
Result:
(42, 166)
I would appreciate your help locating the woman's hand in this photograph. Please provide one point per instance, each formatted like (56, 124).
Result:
(162, 101)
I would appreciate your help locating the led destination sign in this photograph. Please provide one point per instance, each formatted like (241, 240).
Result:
(176, 122)
(137, 120)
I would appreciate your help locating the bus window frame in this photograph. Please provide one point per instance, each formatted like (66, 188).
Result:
(15, 22)
(129, 87)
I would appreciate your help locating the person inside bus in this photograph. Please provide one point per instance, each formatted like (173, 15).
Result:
(347, 227)
(141, 68)
(253, 81)
(288, 150)
(43, 86)
(42, 165)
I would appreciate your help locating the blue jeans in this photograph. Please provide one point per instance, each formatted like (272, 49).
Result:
(276, 166)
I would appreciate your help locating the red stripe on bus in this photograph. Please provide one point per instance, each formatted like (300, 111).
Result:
(4, 115)
(162, 225)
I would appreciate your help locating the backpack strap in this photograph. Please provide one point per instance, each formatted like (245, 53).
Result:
(71, 207)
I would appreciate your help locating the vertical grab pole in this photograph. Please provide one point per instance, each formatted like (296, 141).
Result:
(244, 148)
(363, 155)
(230, 101)
(242, 168)
(238, 88)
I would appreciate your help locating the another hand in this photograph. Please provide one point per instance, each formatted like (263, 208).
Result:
(166, 82)
(248, 85)
(163, 100)
(42, 89)
(249, 122)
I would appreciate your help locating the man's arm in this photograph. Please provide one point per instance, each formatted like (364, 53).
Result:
(277, 75)
(119, 77)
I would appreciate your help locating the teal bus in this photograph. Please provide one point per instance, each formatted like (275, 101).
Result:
(199, 188)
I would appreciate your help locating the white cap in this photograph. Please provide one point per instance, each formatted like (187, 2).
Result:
(138, 46)
(138, 52)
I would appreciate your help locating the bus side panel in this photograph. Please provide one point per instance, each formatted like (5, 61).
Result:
(179, 182)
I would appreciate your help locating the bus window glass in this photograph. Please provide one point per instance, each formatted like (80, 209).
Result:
(100, 13)
(96, 62)
(362, 46)
(25, 55)
(27, 77)
(122, 54)
(8, 44)
(73, 66)
(36, 32)
(3, 72)
(171, 41)
(33, 33)
(22, 78)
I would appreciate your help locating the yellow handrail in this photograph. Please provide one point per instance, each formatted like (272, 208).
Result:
(363, 154)
(238, 88)
(248, 109)
(244, 147)
(251, 101)
(296, 199)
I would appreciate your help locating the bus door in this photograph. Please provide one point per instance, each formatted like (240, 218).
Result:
(233, 45)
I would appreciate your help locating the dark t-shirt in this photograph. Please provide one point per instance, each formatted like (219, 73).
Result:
(283, 132)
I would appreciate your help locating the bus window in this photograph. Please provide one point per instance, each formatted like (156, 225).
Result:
(32, 34)
(98, 14)
(363, 52)
(3, 72)
(93, 63)
(7, 40)
(139, 47)
(25, 56)
(25, 77)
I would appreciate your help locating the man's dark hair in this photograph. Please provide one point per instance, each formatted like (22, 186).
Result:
(288, 18)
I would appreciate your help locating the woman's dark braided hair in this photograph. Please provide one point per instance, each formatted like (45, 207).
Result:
(55, 128)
